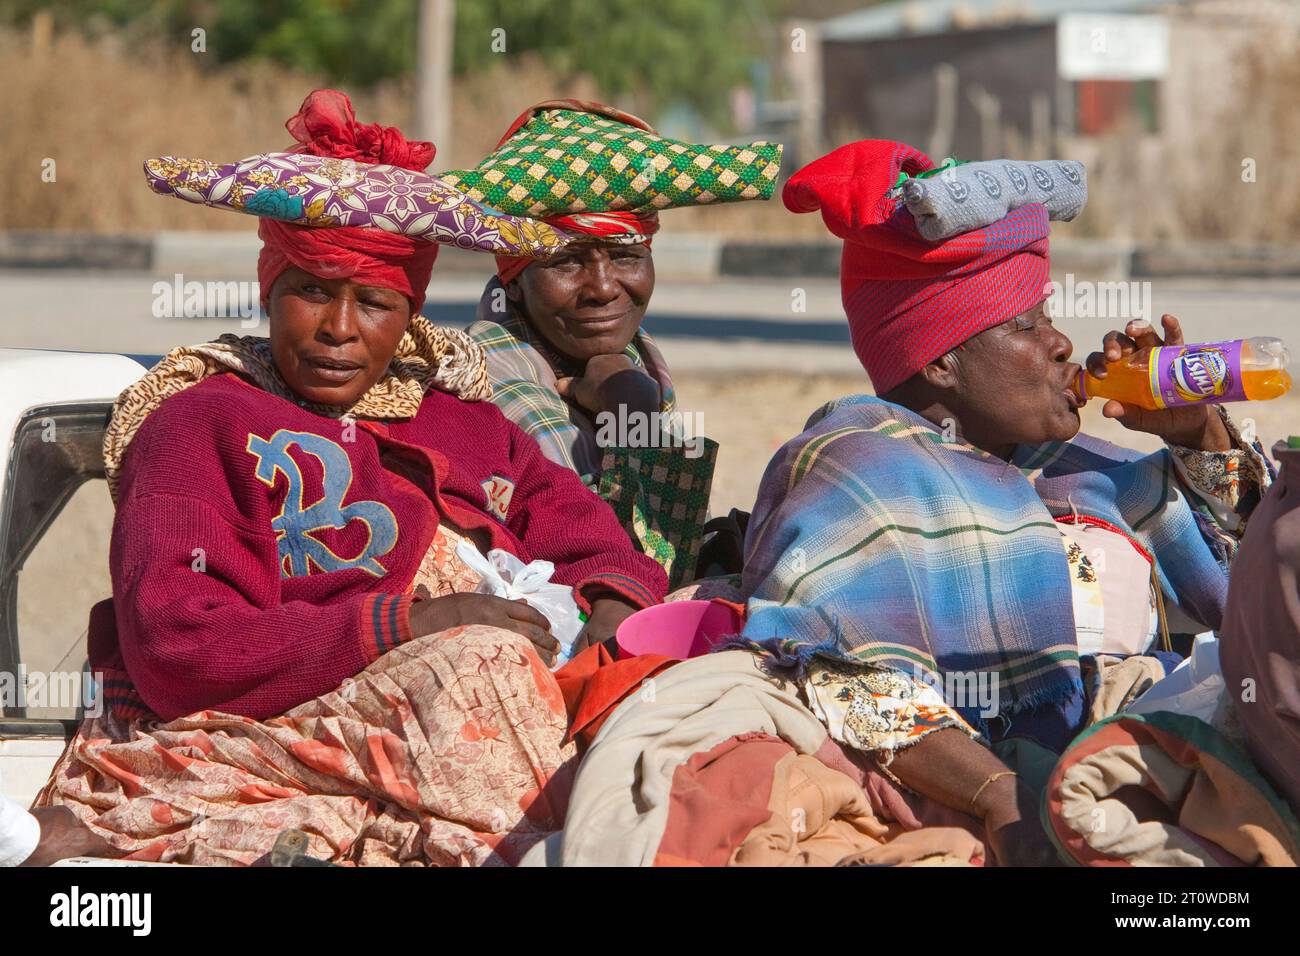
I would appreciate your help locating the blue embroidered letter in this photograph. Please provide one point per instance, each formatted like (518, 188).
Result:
(294, 524)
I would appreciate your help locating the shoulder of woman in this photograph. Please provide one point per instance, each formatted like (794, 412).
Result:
(455, 416)
(860, 435)
(509, 357)
(198, 428)
(218, 403)
(485, 330)
(852, 409)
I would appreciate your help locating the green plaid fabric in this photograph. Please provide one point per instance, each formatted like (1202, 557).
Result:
(661, 496)
(567, 161)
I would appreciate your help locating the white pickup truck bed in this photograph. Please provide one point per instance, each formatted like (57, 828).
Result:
(43, 467)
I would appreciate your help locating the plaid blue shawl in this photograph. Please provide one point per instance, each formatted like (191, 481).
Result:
(876, 539)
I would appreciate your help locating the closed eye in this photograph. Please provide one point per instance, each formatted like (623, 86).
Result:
(1022, 323)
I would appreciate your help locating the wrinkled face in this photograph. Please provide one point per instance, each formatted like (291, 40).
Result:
(1013, 384)
(332, 339)
(589, 300)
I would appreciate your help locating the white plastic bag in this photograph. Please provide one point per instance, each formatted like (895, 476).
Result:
(506, 576)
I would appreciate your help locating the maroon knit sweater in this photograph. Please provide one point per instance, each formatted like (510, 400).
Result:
(261, 553)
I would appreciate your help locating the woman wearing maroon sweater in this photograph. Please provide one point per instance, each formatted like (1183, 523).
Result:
(292, 641)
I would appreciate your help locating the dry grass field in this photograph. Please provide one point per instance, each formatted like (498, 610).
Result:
(100, 108)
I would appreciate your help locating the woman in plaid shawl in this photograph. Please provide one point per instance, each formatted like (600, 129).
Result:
(567, 356)
(935, 563)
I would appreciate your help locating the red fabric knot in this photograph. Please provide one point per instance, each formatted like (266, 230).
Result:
(325, 125)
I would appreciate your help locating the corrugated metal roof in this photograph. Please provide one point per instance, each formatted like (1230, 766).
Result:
(918, 17)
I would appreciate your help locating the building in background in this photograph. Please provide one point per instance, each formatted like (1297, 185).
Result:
(981, 78)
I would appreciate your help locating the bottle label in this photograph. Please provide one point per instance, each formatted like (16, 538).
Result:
(1192, 374)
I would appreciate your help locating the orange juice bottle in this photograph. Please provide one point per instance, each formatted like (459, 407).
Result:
(1163, 376)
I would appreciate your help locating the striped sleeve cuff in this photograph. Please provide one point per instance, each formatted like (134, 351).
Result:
(385, 623)
(121, 698)
(625, 586)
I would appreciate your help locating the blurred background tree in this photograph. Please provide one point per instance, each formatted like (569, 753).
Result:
(130, 76)
(668, 51)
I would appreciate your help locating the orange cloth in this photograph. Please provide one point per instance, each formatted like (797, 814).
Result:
(594, 683)
(754, 801)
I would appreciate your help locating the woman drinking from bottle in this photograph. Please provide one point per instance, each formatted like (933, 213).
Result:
(941, 565)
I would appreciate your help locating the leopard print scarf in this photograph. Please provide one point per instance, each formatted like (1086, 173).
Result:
(427, 357)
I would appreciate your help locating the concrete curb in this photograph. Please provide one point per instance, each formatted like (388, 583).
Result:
(1224, 259)
(678, 257)
(206, 254)
(817, 259)
(61, 250)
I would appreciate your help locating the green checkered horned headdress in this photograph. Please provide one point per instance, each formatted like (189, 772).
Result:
(567, 157)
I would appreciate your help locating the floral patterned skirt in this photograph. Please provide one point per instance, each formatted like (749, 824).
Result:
(448, 750)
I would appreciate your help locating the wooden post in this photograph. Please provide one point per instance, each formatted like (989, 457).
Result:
(989, 109)
(436, 26)
(42, 32)
(803, 69)
(945, 110)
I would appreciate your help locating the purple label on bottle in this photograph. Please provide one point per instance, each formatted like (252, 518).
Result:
(1191, 374)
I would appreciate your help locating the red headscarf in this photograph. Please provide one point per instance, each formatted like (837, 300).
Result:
(587, 224)
(597, 224)
(326, 126)
(909, 300)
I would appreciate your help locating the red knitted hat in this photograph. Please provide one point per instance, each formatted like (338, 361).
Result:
(909, 300)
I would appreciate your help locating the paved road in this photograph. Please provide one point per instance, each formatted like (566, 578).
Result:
(775, 325)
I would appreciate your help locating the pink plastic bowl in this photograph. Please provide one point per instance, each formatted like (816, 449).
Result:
(678, 630)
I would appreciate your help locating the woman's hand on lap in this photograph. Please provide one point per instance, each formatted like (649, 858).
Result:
(1188, 426)
(457, 610)
(606, 615)
(1011, 825)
